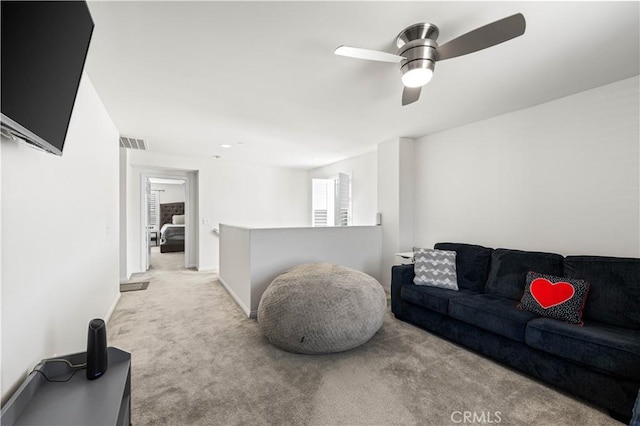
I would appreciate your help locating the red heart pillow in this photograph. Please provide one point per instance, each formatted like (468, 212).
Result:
(549, 294)
(555, 297)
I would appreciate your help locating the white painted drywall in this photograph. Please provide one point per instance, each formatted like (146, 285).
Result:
(364, 185)
(230, 192)
(122, 219)
(170, 193)
(405, 197)
(388, 202)
(235, 264)
(563, 176)
(2, 387)
(251, 258)
(59, 240)
(273, 251)
(395, 200)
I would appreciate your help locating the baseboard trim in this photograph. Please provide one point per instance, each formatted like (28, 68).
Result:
(248, 312)
(112, 307)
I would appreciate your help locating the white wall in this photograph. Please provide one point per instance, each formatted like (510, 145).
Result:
(230, 192)
(59, 240)
(563, 176)
(266, 253)
(122, 220)
(2, 387)
(170, 193)
(235, 264)
(364, 185)
(395, 200)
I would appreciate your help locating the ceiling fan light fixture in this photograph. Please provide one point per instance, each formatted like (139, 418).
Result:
(418, 50)
(417, 73)
(417, 77)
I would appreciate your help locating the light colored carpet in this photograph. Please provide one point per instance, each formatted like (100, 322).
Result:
(196, 359)
(166, 261)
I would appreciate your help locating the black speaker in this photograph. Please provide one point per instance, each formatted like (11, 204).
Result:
(96, 349)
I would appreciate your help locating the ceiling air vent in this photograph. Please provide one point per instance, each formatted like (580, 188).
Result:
(133, 143)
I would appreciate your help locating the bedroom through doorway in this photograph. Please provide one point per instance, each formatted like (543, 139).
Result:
(166, 224)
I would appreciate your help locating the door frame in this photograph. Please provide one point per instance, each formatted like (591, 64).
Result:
(144, 237)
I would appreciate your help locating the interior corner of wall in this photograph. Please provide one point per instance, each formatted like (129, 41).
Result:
(112, 308)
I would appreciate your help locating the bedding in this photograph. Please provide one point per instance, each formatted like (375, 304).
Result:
(170, 232)
(171, 236)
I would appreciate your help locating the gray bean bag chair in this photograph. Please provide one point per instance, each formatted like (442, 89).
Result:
(321, 308)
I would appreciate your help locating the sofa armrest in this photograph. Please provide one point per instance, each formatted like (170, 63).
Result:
(400, 275)
(635, 419)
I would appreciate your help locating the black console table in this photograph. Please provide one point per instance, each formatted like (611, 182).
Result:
(104, 401)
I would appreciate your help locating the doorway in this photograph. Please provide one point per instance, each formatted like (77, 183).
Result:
(166, 222)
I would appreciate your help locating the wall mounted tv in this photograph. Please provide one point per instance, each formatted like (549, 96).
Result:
(44, 47)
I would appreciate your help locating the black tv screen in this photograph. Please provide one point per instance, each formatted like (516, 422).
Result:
(44, 47)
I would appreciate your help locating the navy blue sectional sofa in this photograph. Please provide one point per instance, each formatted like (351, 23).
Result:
(599, 361)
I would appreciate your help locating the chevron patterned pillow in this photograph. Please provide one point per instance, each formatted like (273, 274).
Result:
(435, 268)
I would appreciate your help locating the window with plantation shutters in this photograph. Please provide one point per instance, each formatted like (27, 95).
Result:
(154, 209)
(331, 201)
(320, 202)
(343, 200)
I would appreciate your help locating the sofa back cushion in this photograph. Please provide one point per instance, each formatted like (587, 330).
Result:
(614, 297)
(508, 273)
(472, 264)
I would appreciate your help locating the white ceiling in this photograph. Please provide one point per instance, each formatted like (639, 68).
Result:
(262, 77)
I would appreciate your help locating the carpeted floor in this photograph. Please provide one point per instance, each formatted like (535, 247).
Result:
(196, 359)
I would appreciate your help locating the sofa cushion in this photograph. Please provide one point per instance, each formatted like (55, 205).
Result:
(434, 298)
(509, 268)
(555, 297)
(492, 313)
(612, 349)
(614, 297)
(435, 268)
(472, 264)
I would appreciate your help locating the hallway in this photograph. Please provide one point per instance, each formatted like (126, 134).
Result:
(166, 261)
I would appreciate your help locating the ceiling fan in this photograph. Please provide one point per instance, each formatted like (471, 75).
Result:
(418, 51)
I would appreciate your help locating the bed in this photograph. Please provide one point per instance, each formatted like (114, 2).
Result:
(171, 234)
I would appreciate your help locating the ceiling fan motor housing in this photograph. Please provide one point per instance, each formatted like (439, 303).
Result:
(417, 44)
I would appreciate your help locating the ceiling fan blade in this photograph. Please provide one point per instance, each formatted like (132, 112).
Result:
(410, 95)
(368, 54)
(495, 33)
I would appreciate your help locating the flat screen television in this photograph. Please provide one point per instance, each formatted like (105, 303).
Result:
(44, 47)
